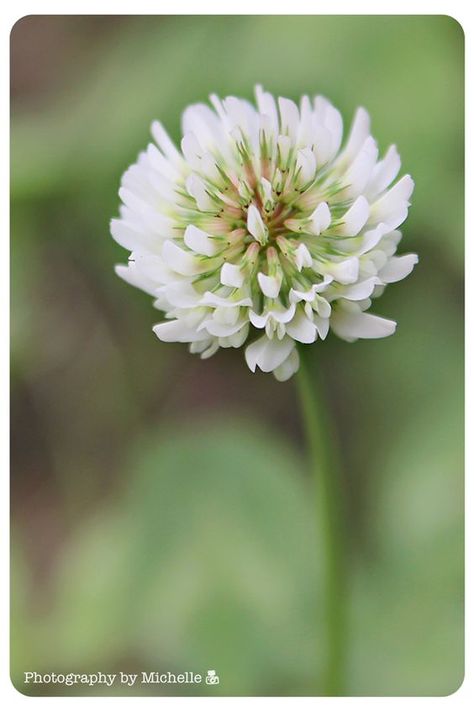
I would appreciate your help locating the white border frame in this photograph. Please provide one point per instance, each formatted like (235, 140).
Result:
(459, 10)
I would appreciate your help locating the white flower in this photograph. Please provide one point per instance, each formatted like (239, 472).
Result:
(263, 229)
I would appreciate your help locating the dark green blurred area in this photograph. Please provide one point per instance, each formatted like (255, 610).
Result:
(162, 512)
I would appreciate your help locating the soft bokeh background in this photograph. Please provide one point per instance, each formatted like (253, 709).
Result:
(162, 512)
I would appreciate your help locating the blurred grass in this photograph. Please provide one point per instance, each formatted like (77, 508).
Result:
(139, 543)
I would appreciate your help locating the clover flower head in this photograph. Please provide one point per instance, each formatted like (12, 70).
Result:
(262, 230)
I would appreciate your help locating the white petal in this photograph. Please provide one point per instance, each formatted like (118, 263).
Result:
(181, 294)
(222, 329)
(322, 324)
(357, 292)
(355, 218)
(301, 328)
(268, 354)
(199, 241)
(360, 170)
(353, 324)
(165, 143)
(197, 189)
(126, 236)
(302, 257)
(306, 165)
(177, 331)
(267, 106)
(259, 320)
(371, 238)
(145, 214)
(398, 268)
(359, 131)
(132, 276)
(328, 130)
(192, 150)
(255, 224)
(288, 367)
(231, 275)
(320, 219)
(235, 340)
(270, 285)
(201, 121)
(392, 207)
(210, 299)
(345, 272)
(289, 117)
(179, 260)
(384, 172)
(213, 348)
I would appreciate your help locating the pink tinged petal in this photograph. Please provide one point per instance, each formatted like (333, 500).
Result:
(301, 328)
(268, 354)
(320, 219)
(398, 268)
(199, 241)
(302, 257)
(288, 367)
(255, 224)
(166, 144)
(351, 324)
(231, 275)
(179, 260)
(177, 331)
(270, 285)
(384, 172)
(355, 218)
(392, 207)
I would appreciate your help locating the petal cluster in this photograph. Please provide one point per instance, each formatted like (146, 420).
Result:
(264, 229)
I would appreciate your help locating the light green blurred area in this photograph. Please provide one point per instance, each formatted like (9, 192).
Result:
(163, 518)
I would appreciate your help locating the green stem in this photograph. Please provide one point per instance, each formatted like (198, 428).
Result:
(330, 521)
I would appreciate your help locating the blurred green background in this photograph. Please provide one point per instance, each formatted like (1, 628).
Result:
(162, 514)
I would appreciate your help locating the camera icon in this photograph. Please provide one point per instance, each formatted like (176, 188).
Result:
(212, 677)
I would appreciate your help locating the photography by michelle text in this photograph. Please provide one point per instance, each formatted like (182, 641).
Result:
(237, 355)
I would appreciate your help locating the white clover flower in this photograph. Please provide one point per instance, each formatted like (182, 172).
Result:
(262, 229)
